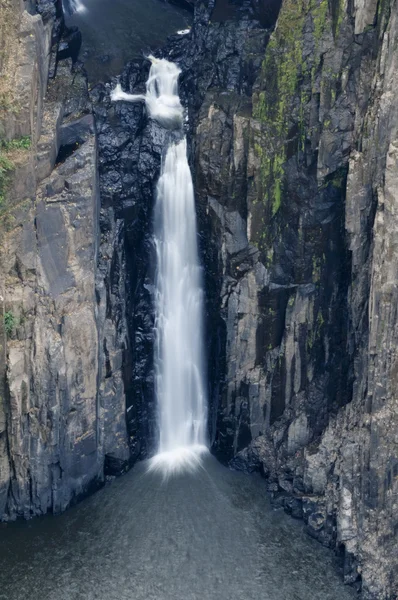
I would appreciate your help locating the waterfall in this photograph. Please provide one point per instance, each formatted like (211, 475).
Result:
(179, 304)
(179, 364)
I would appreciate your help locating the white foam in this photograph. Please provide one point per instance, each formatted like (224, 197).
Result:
(118, 94)
(78, 6)
(179, 460)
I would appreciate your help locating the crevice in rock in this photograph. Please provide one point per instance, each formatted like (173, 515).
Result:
(69, 46)
(265, 11)
(187, 4)
(65, 152)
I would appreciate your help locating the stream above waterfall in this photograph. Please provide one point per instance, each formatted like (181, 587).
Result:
(115, 32)
(211, 534)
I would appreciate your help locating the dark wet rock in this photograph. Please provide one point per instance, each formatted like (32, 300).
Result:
(115, 466)
(77, 131)
(69, 46)
(293, 506)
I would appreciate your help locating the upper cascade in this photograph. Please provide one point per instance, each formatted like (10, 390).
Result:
(161, 96)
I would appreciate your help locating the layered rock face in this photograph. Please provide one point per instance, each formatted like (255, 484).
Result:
(295, 183)
(62, 409)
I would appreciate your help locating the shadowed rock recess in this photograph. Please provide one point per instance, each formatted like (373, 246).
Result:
(292, 126)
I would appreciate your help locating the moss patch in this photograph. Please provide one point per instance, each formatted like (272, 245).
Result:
(9, 322)
(282, 104)
(281, 73)
(12, 152)
(6, 166)
(23, 143)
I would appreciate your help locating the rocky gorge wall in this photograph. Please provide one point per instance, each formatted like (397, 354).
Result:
(62, 408)
(295, 182)
(292, 132)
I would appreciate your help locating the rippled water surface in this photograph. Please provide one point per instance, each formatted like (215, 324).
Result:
(117, 31)
(195, 537)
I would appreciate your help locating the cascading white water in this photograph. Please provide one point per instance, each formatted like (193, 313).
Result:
(179, 365)
(178, 307)
(161, 95)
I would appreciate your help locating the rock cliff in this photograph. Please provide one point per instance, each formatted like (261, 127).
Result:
(62, 405)
(292, 126)
(295, 177)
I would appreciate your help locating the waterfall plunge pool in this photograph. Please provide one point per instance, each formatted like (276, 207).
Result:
(196, 536)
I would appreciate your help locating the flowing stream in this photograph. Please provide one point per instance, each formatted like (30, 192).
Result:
(117, 31)
(179, 369)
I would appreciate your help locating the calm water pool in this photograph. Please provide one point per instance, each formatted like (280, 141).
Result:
(201, 536)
